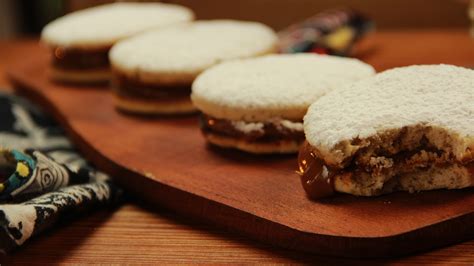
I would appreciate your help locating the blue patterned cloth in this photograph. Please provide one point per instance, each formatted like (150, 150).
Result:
(42, 177)
(21, 166)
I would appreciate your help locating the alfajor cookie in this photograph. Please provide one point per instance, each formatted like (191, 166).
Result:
(257, 105)
(153, 72)
(408, 129)
(80, 41)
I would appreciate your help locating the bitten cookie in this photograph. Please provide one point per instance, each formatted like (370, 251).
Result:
(257, 105)
(153, 72)
(80, 41)
(409, 129)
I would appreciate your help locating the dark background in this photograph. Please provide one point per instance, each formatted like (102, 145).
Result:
(27, 17)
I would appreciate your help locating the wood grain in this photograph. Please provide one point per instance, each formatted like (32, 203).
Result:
(255, 196)
(134, 234)
(10, 53)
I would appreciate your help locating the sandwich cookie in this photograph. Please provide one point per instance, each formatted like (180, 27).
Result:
(408, 129)
(153, 72)
(257, 105)
(80, 41)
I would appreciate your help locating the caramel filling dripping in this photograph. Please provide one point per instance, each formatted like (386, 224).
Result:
(317, 179)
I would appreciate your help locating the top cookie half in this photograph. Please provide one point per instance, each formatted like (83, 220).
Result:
(274, 86)
(104, 25)
(427, 103)
(179, 53)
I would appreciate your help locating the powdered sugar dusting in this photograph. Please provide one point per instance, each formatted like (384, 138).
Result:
(192, 47)
(436, 95)
(106, 24)
(271, 86)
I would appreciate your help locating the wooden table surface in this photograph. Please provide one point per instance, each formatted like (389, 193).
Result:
(137, 233)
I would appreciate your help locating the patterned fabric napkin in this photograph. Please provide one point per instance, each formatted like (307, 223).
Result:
(42, 177)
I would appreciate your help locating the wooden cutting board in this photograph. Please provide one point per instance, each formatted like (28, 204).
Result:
(166, 161)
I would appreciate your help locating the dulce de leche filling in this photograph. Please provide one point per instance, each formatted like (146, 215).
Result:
(317, 179)
(263, 132)
(133, 88)
(80, 59)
